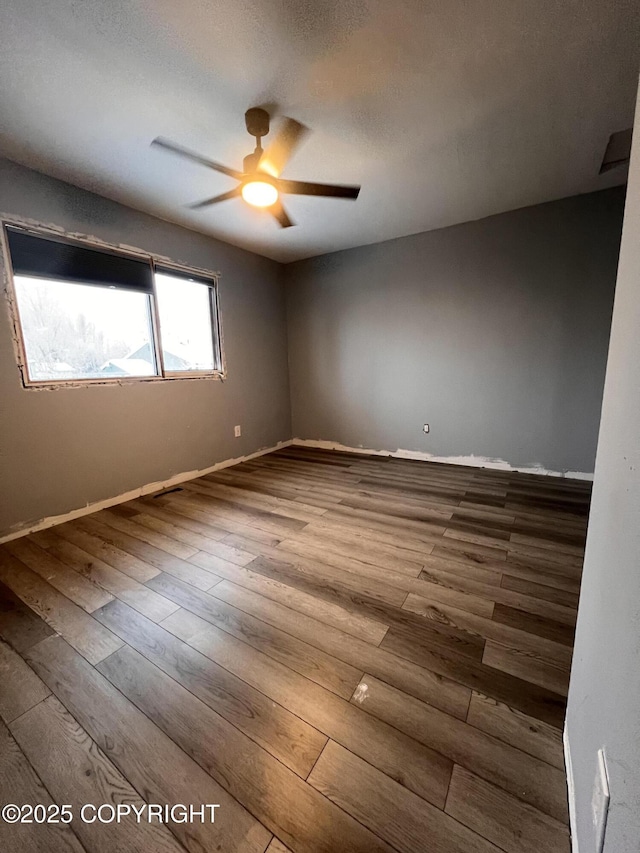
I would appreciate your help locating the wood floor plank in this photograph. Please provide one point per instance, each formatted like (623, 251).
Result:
(93, 544)
(430, 493)
(87, 636)
(424, 771)
(19, 625)
(550, 543)
(485, 500)
(316, 555)
(383, 554)
(502, 818)
(365, 628)
(549, 574)
(570, 564)
(305, 469)
(404, 510)
(81, 590)
(342, 525)
(369, 599)
(76, 771)
(351, 557)
(196, 539)
(230, 524)
(456, 548)
(293, 810)
(439, 566)
(155, 557)
(140, 531)
(476, 534)
(529, 667)
(498, 594)
(20, 687)
(395, 814)
(244, 476)
(519, 730)
(287, 737)
(534, 781)
(516, 692)
(367, 519)
(313, 663)
(418, 643)
(329, 572)
(539, 626)
(150, 760)
(324, 587)
(533, 518)
(538, 589)
(476, 514)
(539, 533)
(531, 644)
(242, 497)
(20, 785)
(151, 506)
(112, 580)
(444, 693)
(221, 510)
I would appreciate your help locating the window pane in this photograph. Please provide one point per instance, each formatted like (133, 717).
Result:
(75, 331)
(184, 308)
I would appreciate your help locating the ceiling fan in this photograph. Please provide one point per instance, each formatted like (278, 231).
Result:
(260, 183)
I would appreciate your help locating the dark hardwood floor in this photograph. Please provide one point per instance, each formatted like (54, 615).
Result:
(346, 653)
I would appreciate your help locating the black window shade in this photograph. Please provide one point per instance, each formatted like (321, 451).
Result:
(41, 257)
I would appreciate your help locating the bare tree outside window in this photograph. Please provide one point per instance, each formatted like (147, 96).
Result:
(74, 331)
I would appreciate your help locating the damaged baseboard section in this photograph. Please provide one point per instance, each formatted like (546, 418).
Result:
(470, 461)
(149, 488)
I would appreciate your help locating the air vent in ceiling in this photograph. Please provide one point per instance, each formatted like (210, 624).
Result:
(618, 150)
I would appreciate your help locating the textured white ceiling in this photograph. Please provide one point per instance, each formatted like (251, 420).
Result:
(444, 110)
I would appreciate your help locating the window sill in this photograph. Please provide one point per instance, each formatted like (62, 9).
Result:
(55, 384)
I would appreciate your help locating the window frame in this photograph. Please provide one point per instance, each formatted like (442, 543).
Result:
(214, 317)
(157, 264)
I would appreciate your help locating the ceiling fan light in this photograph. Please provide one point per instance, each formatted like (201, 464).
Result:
(259, 193)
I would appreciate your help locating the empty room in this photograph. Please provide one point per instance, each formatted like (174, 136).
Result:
(319, 406)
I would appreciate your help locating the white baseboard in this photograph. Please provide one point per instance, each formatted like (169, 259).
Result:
(570, 790)
(471, 461)
(52, 520)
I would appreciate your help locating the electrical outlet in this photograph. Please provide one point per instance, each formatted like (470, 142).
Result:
(425, 428)
(600, 801)
(237, 431)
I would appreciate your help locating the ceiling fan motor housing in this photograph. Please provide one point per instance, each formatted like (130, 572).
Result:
(250, 162)
(257, 121)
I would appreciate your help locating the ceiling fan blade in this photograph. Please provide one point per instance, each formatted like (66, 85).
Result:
(327, 190)
(281, 214)
(161, 142)
(289, 136)
(215, 199)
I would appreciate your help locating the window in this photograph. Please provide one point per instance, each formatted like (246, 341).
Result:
(91, 314)
(187, 313)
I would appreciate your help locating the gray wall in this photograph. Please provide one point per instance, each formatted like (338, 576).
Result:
(61, 449)
(604, 695)
(494, 332)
